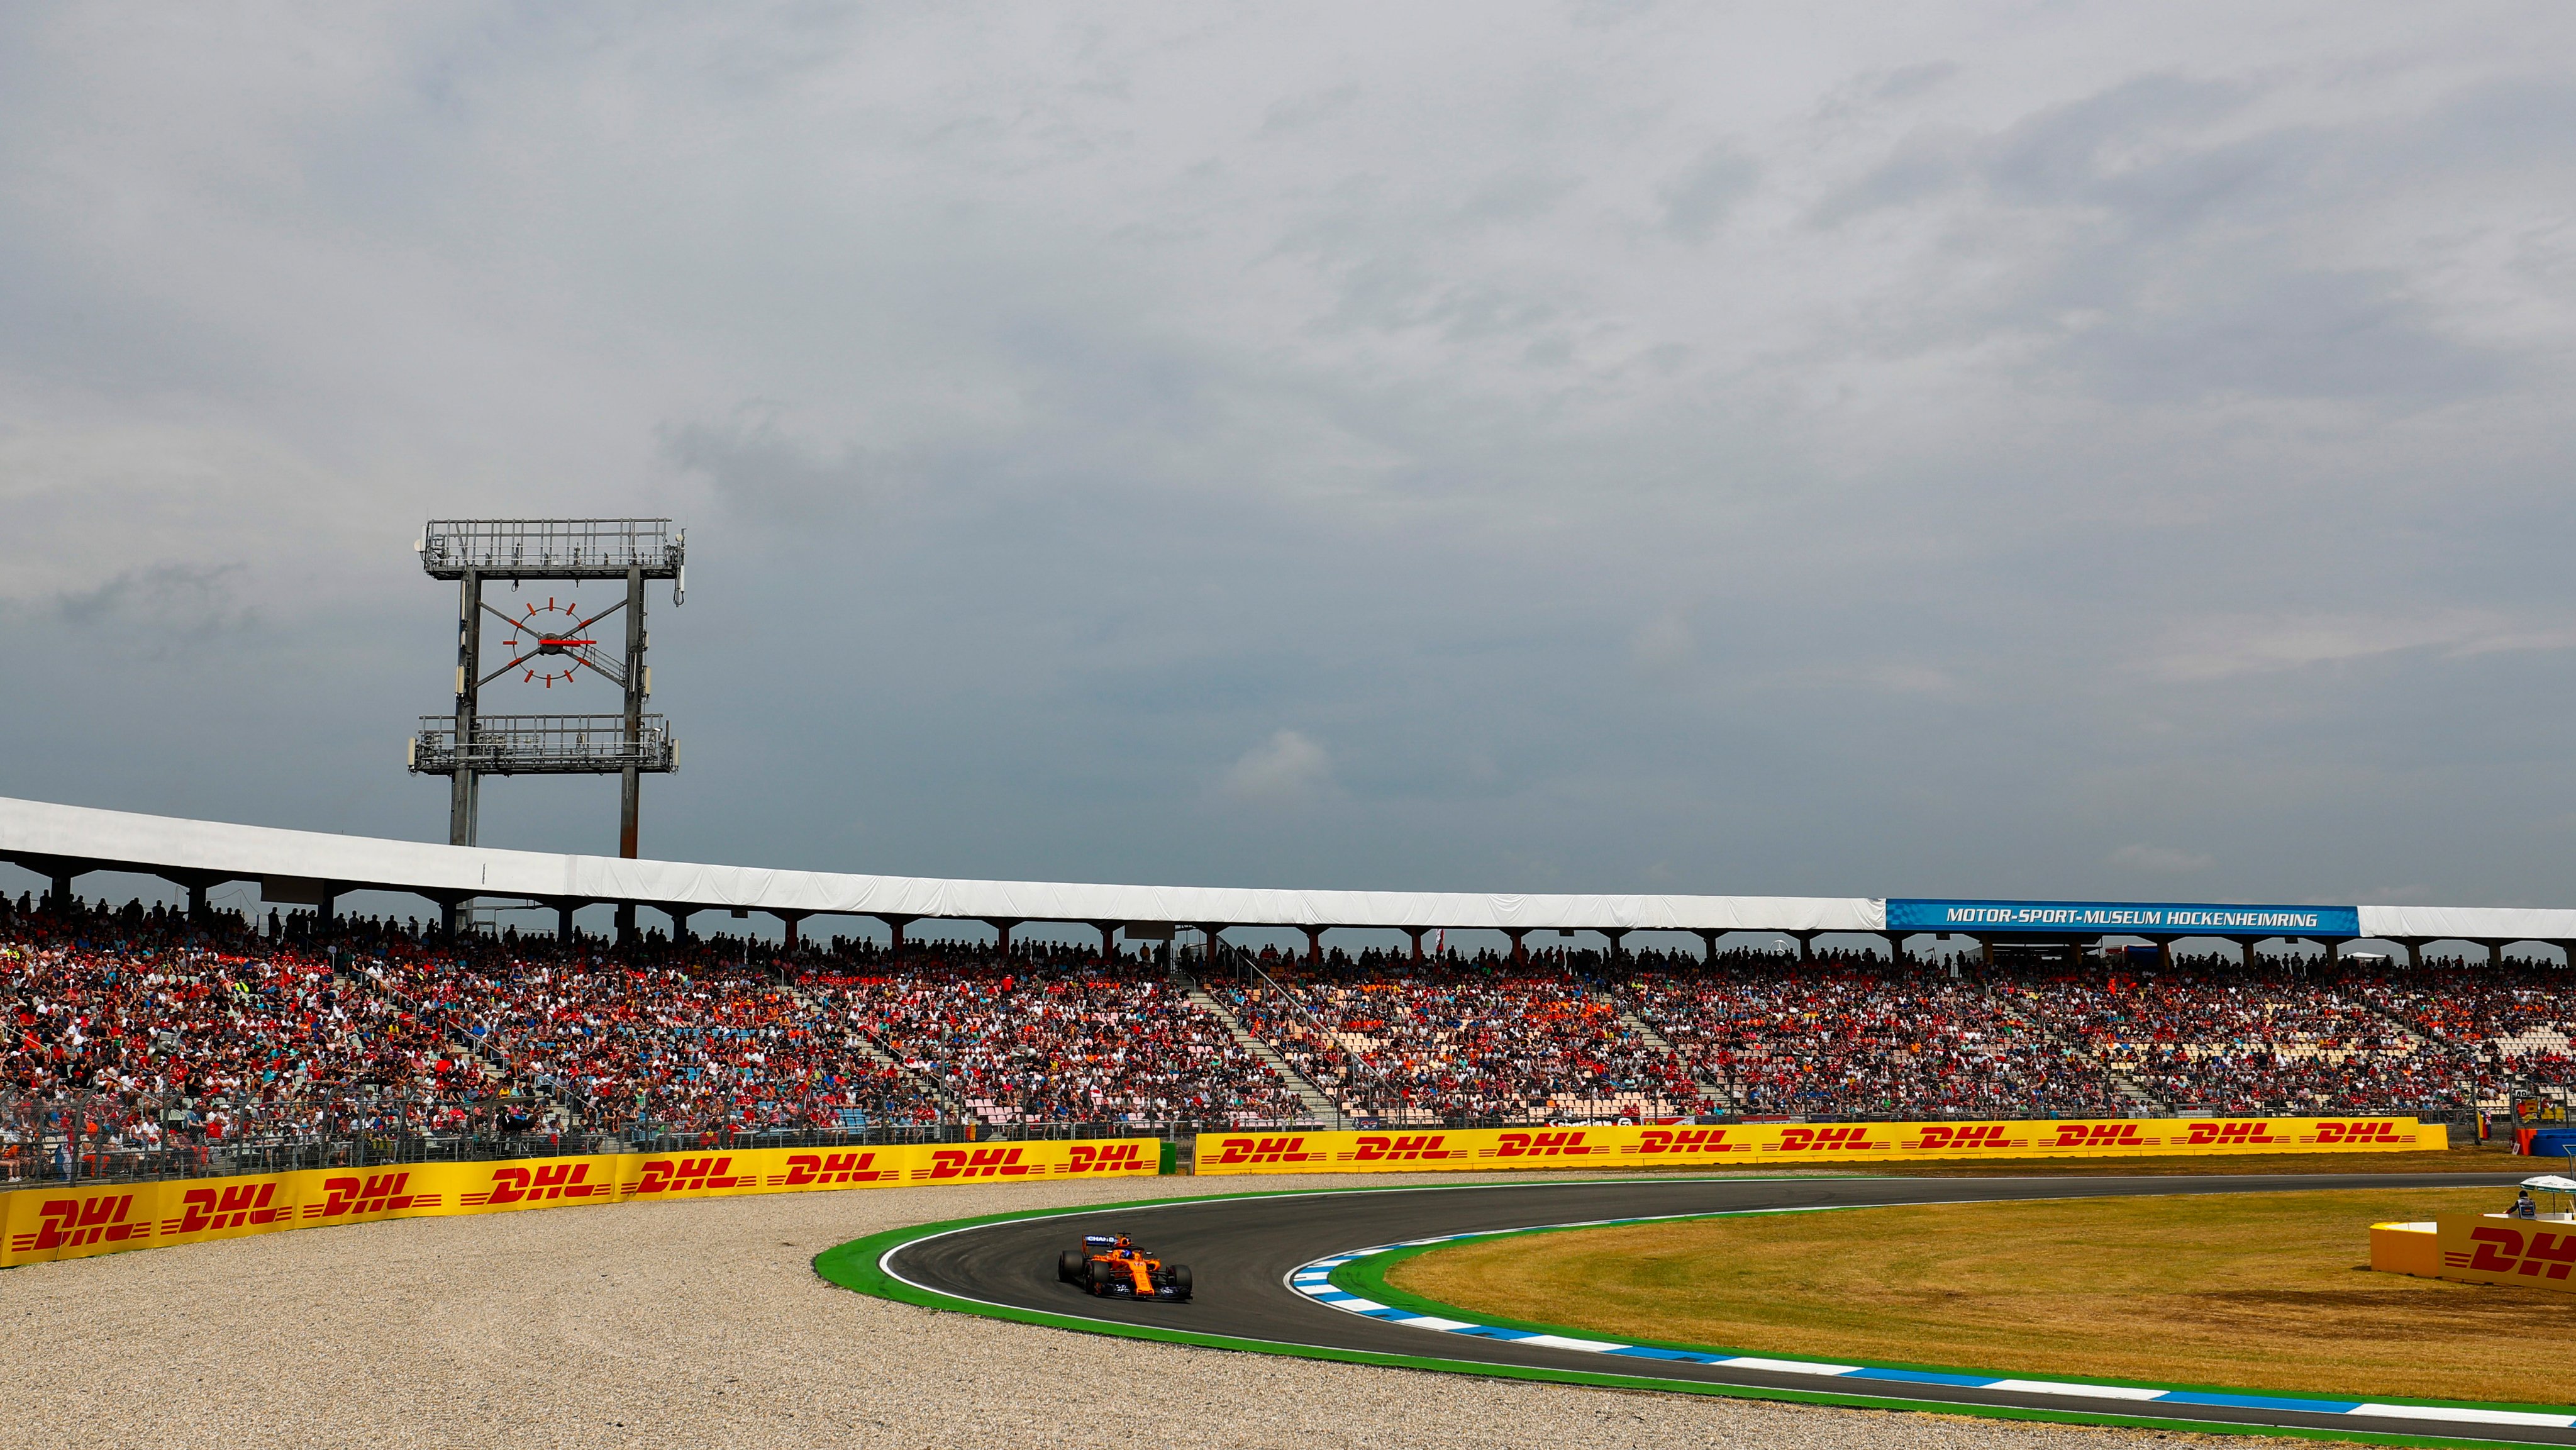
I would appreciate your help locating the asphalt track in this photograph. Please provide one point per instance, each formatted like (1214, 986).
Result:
(1241, 1250)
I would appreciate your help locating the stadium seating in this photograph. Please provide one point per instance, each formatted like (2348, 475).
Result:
(205, 1032)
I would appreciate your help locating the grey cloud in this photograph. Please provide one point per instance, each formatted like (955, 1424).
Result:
(162, 606)
(2126, 443)
(1700, 198)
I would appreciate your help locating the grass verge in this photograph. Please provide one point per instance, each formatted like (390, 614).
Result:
(2260, 1291)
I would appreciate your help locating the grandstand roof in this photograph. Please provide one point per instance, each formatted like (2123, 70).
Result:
(31, 831)
(42, 836)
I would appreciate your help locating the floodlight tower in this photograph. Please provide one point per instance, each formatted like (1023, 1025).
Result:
(552, 643)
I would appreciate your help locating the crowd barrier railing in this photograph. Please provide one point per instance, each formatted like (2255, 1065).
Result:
(1731, 1145)
(38, 1225)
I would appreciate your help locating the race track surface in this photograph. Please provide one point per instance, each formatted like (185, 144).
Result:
(1241, 1251)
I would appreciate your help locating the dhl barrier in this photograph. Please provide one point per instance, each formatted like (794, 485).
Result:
(1485, 1149)
(2482, 1249)
(36, 1225)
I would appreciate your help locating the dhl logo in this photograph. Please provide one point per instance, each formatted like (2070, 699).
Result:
(543, 1184)
(1962, 1135)
(1108, 1158)
(806, 1169)
(77, 1223)
(204, 1209)
(2228, 1135)
(1688, 1140)
(2508, 1251)
(1567, 1144)
(1402, 1147)
(2383, 1131)
(375, 1193)
(685, 1175)
(1266, 1150)
(2101, 1135)
(976, 1163)
(1824, 1140)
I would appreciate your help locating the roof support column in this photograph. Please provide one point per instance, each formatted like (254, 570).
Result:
(1416, 932)
(626, 923)
(790, 938)
(1520, 956)
(2415, 953)
(563, 920)
(1614, 937)
(1895, 949)
(1806, 945)
(1108, 940)
(1002, 926)
(326, 911)
(2495, 956)
(1708, 944)
(1315, 945)
(1216, 942)
(896, 924)
(679, 922)
(2245, 947)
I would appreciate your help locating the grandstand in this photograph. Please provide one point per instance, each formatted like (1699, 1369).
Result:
(158, 1039)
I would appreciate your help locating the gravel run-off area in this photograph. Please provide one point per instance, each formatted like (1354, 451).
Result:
(701, 1323)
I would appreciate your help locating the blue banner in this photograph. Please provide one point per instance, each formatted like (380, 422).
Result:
(2121, 918)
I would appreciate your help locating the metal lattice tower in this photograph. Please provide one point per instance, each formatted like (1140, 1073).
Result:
(555, 643)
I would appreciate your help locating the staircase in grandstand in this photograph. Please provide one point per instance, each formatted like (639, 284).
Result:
(951, 1105)
(1318, 1106)
(1718, 1095)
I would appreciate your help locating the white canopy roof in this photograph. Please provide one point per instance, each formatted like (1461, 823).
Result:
(31, 831)
(40, 835)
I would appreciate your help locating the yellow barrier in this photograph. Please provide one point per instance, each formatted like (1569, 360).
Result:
(37, 1225)
(2495, 1249)
(1480, 1149)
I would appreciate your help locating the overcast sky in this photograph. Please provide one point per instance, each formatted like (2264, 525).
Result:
(2029, 450)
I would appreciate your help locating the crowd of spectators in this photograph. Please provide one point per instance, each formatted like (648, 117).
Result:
(1458, 1039)
(1050, 1033)
(1850, 1036)
(209, 1028)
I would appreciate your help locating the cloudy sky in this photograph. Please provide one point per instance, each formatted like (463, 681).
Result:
(2036, 449)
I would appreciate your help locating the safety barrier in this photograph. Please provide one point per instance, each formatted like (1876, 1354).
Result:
(1734, 1144)
(38, 1225)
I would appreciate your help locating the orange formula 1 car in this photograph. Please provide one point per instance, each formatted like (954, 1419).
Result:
(1112, 1267)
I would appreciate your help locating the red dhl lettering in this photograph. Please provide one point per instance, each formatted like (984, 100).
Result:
(684, 1175)
(979, 1163)
(2223, 1134)
(2508, 1251)
(1823, 1140)
(2383, 1131)
(808, 1168)
(541, 1185)
(1086, 1158)
(1683, 1140)
(375, 1193)
(77, 1223)
(2098, 1135)
(1542, 1145)
(1262, 1150)
(1400, 1147)
(233, 1207)
(1962, 1135)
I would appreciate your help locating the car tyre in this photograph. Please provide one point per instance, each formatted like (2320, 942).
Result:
(1071, 1265)
(1101, 1276)
(1181, 1279)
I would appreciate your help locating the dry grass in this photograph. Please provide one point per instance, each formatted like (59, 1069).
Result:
(2262, 1290)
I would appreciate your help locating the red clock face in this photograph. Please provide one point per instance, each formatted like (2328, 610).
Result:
(547, 635)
